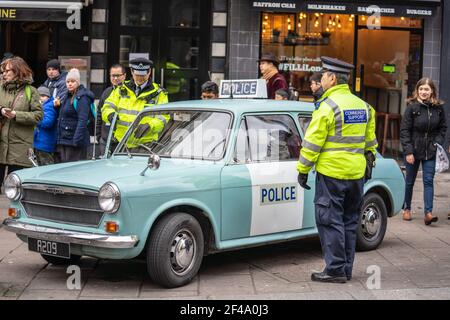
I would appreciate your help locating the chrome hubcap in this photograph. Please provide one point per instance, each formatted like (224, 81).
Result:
(370, 222)
(182, 252)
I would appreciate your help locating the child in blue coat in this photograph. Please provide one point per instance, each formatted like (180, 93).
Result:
(45, 131)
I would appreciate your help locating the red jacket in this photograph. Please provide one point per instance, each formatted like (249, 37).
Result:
(276, 82)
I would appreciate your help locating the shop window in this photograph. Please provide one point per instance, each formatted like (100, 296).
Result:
(183, 52)
(184, 13)
(136, 13)
(390, 22)
(133, 44)
(299, 40)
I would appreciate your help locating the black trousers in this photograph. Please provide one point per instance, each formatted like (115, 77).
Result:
(71, 153)
(338, 206)
(11, 168)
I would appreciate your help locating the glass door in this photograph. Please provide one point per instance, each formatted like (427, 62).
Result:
(389, 64)
(174, 34)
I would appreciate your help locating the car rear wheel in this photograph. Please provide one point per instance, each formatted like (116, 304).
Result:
(57, 261)
(175, 250)
(372, 223)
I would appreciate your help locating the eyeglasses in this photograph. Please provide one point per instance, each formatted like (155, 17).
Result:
(116, 75)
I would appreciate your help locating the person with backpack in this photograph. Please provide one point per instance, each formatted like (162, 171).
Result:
(268, 65)
(75, 116)
(45, 131)
(20, 110)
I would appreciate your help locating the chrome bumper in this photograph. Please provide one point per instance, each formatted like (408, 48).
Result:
(60, 235)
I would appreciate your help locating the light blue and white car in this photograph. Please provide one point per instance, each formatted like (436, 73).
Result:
(221, 176)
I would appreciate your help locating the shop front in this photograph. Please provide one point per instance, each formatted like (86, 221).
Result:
(42, 30)
(384, 42)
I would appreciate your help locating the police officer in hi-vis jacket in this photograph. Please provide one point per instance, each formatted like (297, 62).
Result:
(128, 99)
(341, 143)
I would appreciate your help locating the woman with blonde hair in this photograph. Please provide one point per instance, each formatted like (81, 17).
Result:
(20, 110)
(423, 126)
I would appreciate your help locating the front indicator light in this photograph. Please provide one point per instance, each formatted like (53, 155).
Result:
(13, 213)
(111, 227)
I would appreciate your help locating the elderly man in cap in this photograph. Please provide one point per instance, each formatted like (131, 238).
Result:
(340, 142)
(268, 65)
(128, 99)
(56, 82)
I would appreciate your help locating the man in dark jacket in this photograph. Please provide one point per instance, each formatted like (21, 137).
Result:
(117, 75)
(56, 82)
(268, 65)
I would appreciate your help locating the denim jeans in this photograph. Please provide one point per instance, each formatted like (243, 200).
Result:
(428, 167)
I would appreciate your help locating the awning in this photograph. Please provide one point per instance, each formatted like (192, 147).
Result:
(38, 10)
(418, 9)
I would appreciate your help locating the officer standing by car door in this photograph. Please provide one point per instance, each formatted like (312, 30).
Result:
(341, 143)
(130, 98)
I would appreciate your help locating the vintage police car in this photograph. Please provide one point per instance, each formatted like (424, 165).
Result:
(221, 176)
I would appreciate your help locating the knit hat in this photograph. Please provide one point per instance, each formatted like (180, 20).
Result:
(54, 64)
(43, 91)
(74, 74)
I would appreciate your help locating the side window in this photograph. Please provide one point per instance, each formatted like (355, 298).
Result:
(264, 138)
(304, 123)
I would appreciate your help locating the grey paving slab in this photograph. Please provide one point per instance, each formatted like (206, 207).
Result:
(413, 294)
(268, 283)
(107, 289)
(45, 294)
(219, 285)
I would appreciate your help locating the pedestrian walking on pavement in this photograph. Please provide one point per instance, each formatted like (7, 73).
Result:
(20, 110)
(423, 126)
(341, 143)
(45, 131)
(268, 65)
(72, 132)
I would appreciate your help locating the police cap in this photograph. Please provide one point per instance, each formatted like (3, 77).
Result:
(336, 65)
(141, 66)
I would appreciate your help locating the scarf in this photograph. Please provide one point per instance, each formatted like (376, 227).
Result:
(14, 85)
(269, 74)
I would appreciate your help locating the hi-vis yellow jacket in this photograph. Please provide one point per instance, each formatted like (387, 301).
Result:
(124, 101)
(341, 130)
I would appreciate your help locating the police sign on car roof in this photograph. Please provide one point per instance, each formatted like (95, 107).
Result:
(252, 88)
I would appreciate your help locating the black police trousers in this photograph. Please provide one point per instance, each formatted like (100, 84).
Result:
(338, 206)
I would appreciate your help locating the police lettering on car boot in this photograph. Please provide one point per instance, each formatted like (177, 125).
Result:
(338, 141)
(132, 97)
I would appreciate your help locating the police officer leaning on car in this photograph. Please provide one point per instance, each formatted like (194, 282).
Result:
(340, 141)
(132, 97)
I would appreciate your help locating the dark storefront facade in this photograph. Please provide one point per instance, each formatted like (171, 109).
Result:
(175, 34)
(391, 45)
(191, 41)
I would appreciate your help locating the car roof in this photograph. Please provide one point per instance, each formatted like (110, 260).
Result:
(239, 106)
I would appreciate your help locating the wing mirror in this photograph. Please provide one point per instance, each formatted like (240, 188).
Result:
(154, 161)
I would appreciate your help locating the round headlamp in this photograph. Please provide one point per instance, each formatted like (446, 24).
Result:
(109, 198)
(12, 187)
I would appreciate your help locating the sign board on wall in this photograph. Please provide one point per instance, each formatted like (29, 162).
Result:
(82, 63)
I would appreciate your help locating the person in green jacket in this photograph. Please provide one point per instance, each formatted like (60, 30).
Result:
(20, 111)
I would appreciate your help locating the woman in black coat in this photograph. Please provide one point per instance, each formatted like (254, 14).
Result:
(423, 126)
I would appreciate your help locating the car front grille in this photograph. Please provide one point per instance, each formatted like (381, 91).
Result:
(62, 204)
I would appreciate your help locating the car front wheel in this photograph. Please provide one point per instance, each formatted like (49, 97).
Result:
(372, 223)
(175, 250)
